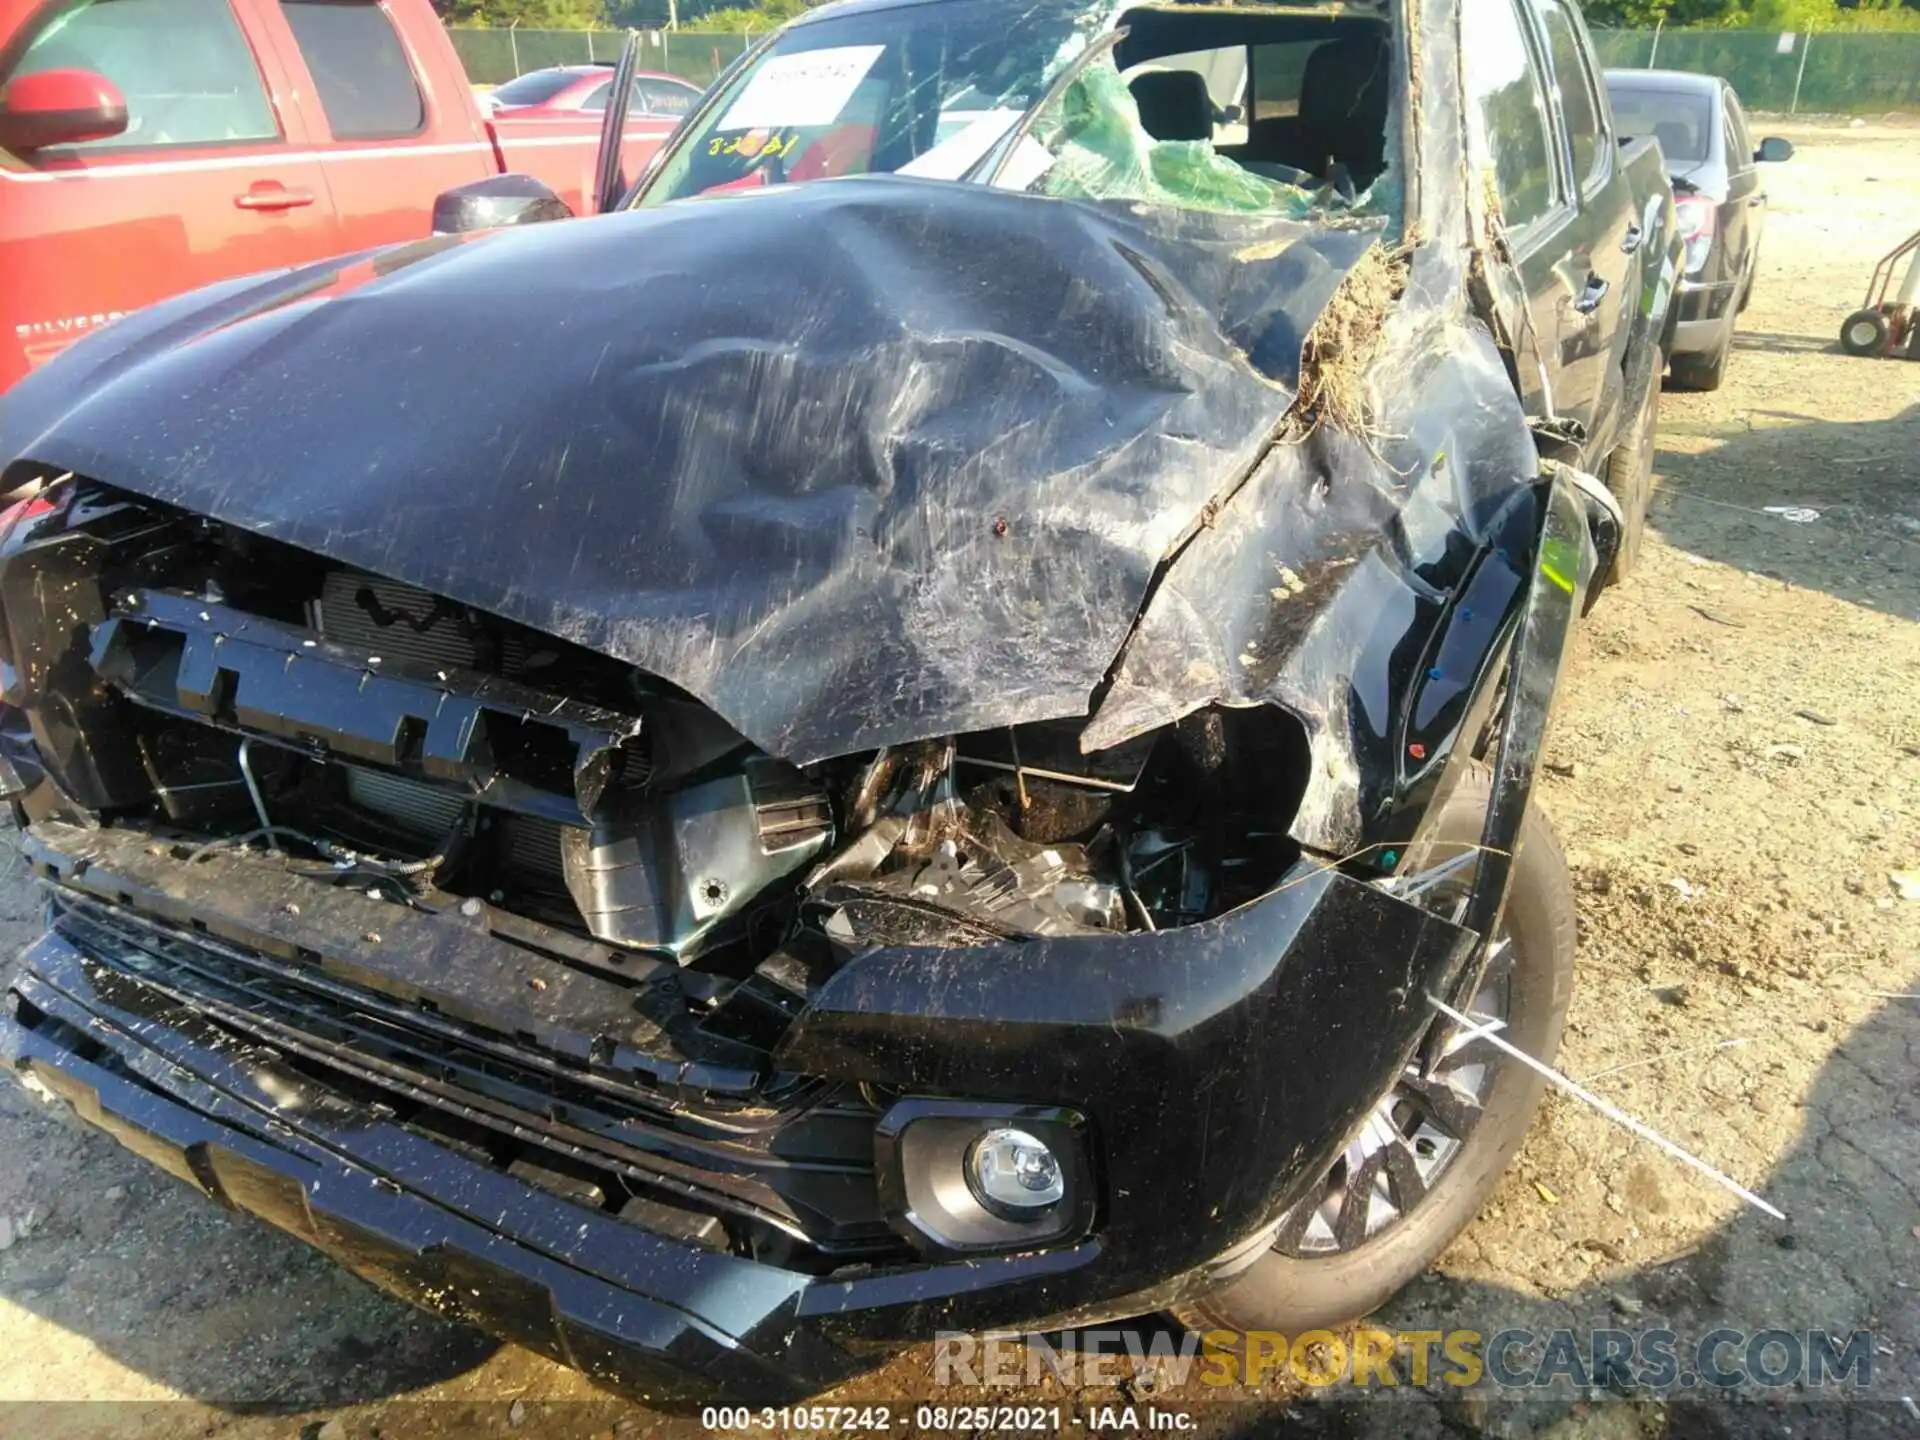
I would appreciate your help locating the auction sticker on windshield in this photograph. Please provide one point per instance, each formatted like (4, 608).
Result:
(810, 88)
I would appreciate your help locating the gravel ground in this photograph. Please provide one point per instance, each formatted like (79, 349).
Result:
(1735, 771)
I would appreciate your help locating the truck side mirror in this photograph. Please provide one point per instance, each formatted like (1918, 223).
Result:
(1773, 150)
(59, 107)
(494, 201)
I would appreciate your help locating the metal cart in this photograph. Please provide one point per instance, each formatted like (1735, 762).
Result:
(1883, 326)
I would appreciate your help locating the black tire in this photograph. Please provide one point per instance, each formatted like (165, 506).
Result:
(1290, 1294)
(1746, 291)
(1865, 333)
(1629, 475)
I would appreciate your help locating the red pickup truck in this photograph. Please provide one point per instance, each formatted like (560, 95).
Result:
(151, 146)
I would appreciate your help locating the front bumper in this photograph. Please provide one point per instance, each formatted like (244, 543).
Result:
(1220, 1067)
(1701, 308)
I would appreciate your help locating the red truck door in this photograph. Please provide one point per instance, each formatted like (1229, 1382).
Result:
(400, 120)
(210, 179)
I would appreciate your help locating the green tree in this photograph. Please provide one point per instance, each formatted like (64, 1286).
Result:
(530, 14)
(707, 16)
(1771, 15)
(739, 19)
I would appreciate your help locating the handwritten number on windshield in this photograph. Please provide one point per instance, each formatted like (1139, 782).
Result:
(755, 145)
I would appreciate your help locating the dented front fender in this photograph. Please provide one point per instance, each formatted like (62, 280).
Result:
(1221, 1065)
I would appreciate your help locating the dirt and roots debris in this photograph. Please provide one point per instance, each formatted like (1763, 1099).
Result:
(1345, 341)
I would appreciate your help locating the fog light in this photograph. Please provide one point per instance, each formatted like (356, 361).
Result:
(1014, 1174)
(966, 1177)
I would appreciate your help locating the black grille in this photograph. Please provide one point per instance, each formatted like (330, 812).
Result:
(796, 1178)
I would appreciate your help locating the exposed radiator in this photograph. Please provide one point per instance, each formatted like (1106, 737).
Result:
(532, 847)
(528, 845)
(398, 622)
(420, 809)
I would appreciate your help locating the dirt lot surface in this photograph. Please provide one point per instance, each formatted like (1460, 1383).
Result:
(1736, 773)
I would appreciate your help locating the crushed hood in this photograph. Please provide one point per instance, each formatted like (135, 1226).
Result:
(854, 462)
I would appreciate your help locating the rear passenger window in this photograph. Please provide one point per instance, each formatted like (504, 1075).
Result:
(1511, 111)
(1279, 74)
(1579, 102)
(184, 66)
(359, 68)
(664, 99)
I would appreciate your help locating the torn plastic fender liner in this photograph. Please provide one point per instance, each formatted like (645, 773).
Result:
(1222, 1064)
(1565, 564)
(1563, 568)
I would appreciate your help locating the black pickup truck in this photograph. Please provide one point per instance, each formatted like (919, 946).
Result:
(911, 731)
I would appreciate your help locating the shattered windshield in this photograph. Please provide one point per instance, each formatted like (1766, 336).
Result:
(1088, 143)
(919, 90)
(1063, 99)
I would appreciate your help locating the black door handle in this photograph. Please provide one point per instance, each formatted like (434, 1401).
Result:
(1630, 242)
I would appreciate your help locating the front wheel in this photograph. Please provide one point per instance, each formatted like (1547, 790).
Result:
(1432, 1148)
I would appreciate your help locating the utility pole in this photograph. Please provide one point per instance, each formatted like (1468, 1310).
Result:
(1806, 44)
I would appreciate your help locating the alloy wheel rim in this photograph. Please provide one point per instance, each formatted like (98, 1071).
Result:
(1415, 1132)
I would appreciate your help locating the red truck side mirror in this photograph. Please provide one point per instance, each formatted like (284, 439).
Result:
(59, 107)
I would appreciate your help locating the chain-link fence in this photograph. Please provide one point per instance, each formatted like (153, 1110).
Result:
(1850, 72)
(495, 56)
